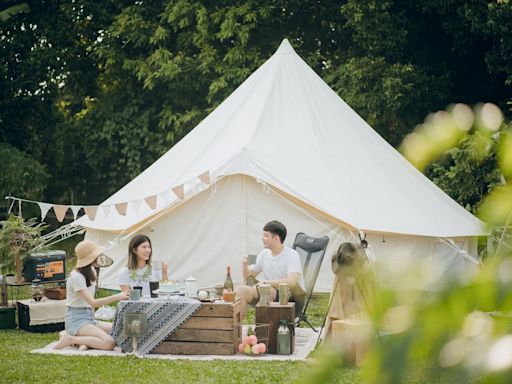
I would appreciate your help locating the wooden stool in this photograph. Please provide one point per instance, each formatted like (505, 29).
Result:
(271, 314)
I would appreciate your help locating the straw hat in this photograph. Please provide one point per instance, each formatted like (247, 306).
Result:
(86, 252)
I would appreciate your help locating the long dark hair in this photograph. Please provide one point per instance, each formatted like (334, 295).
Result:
(89, 273)
(134, 243)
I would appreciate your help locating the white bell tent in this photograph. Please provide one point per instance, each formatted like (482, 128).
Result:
(283, 146)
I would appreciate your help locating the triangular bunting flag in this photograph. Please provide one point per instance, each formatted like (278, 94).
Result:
(179, 191)
(90, 211)
(205, 177)
(121, 208)
(165, 196)
(60, 211)
(44, 209)
(136, 206)
(75, 209)
(151, 201)
(106, 209)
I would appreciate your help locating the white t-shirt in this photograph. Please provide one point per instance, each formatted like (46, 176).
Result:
(279, 266)
(75, 283)
(139, 277)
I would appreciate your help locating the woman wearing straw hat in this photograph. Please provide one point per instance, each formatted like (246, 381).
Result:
(81, 328)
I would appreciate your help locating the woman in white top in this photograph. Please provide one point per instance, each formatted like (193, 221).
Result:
(140, 270)
(81, 328)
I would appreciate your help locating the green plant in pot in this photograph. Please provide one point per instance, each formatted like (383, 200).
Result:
(140, 276)
(17, 238)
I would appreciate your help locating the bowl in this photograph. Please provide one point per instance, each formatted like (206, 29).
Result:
(228, 296)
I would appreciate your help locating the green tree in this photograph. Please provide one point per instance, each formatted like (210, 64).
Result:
(97, 91)
(165, 66)
(21, 175)
(46, 73)
(403, 59)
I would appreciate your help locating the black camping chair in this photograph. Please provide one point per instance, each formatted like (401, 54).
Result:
(311, 251)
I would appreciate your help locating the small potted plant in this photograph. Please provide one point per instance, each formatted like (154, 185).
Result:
(140, 278)
(17, 238)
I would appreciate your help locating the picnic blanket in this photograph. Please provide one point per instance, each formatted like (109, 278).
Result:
(305, 342)
(163, 318)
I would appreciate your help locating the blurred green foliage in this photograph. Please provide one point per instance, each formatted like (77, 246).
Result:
(462, 332)
(464, 175)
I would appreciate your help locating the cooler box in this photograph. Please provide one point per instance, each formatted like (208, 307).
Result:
(46, 266)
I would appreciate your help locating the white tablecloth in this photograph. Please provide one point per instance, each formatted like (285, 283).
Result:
(45, 311)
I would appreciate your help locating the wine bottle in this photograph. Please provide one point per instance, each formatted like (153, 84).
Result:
(228, 283)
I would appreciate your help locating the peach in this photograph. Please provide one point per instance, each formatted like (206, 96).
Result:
(252, 340)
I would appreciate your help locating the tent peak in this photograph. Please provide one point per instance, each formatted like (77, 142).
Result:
(285, 48)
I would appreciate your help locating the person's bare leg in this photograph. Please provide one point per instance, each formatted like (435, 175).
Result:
(105, 326)
(89, 335)
(246, 294)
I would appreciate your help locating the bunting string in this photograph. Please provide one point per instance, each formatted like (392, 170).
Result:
(121, 208)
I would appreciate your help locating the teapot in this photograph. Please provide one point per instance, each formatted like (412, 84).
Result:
(264, 294)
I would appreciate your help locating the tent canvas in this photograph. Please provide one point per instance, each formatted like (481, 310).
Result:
(282, 146)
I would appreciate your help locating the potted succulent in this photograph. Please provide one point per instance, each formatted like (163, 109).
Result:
(17, 238)
(140, 277)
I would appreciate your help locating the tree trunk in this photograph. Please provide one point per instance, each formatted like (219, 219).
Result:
(19, 269)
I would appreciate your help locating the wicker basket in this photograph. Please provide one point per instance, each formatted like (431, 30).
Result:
(55, 293)
(260, 332)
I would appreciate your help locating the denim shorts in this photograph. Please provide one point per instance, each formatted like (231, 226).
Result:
(77, 317)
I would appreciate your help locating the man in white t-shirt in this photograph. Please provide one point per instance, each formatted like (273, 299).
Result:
(277, 263)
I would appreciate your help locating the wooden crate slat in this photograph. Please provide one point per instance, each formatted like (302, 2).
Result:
(224, 323)
(214, 310)
(202, 335)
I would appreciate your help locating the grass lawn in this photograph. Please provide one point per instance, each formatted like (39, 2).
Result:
(18, 365)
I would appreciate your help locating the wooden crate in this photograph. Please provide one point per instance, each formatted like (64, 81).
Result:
(351, 337)
(55, 293)
(212, 330)
(271, 314)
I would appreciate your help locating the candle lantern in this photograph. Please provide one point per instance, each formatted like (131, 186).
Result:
(37, 290)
